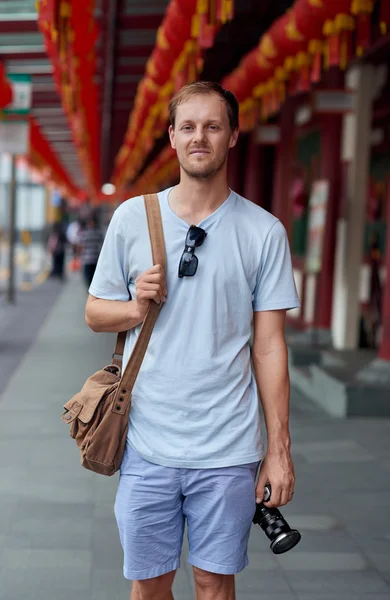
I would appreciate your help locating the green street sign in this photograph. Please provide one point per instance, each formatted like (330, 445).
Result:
(22, 88)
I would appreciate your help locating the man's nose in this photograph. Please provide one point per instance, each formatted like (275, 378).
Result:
(199, 134)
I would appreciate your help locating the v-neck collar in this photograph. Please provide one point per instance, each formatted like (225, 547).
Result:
(207, 220)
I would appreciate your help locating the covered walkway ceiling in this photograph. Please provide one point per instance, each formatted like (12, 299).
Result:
(127, 37)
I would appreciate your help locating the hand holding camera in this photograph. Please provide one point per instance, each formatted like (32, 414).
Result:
(275, 527)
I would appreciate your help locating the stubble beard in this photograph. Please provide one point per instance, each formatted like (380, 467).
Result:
(207, 173)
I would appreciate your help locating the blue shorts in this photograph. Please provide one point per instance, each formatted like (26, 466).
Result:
(153, 502)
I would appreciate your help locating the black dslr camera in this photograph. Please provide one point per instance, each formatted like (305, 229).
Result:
(275, 527)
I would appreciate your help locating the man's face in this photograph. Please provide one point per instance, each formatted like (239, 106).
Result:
(202, 135)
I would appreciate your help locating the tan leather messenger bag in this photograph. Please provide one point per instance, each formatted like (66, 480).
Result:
(99, 414)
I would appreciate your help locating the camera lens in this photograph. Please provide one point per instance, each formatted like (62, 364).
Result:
(276, 528)
(285, 542)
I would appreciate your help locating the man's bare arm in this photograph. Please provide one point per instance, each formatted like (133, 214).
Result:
(270, 361)
(111, 315)
(115, 315)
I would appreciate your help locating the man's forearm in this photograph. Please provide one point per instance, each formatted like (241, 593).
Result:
(271, 371)
(112, 315)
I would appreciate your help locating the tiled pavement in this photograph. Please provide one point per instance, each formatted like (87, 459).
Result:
(58, 537)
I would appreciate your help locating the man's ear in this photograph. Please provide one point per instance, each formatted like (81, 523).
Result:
(234, 138)
(172, 136)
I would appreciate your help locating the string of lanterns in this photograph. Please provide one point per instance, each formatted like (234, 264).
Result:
(188, 29)
(42, 158)
(291, 56)
(164, 169)
(313, 35)
(70, 32)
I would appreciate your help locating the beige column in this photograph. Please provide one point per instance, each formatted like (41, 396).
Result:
(364, 80)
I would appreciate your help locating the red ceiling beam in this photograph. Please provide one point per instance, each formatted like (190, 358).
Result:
(19, 27)
(22, 56)
(140, 21)
(130, 69)
(51, 93)
(137, 50)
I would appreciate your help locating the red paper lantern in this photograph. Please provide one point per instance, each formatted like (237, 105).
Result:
(362, 10)
(83, 23)
(159, 65)
(44, 155)
(252, 70)
(286, 38)
(175, 29)
(309, 17)
(6, 91)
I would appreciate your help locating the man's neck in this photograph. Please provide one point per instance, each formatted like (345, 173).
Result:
(194, 200)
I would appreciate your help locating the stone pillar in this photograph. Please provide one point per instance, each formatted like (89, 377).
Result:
(254, 171)
(350, 228)
(281, 205)
(330, 169)
(384, 350)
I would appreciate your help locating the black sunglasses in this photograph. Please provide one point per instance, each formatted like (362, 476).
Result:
(189, 262)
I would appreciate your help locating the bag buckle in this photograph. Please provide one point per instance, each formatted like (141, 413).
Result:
(117, 359)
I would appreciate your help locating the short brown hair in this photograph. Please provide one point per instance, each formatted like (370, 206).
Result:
(205, 87)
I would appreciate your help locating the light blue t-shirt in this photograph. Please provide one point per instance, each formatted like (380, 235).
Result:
(195, 402)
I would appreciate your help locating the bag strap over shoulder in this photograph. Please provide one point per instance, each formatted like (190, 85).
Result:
(156, 235)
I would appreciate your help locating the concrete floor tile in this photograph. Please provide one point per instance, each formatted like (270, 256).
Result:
(351, 582)
(106, 547)
(379, 561)
(36, 558)
(52, 509)
(311, 522)
(326, 541)
(41, 593)
(344, 596)
(261, 582)
(322, 561)
(42, 510)
(112, 595)
(333, 451)
(182, 586)
(268, 596)
(369, 540)
(110, 582)
(261, 561)
(46, 486)
(20, 583)
(51, 533)
(103, 510)
(351, 478)
(8, 509)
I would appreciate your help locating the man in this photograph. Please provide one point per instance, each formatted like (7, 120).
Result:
(194, 441)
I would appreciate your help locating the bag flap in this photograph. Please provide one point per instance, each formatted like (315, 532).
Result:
(72, 410)
(85, 402)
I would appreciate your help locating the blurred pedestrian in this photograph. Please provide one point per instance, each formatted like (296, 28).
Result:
(56, 245)
(91, 240)
(73, 234)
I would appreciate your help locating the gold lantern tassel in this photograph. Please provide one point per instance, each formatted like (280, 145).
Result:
(362, 10)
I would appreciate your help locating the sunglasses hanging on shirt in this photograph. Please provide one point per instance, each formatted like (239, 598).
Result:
(189, 262)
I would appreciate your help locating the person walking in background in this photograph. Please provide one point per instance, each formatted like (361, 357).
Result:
(73, 236)
(56, 245)
(194, 437)
(91, 240)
